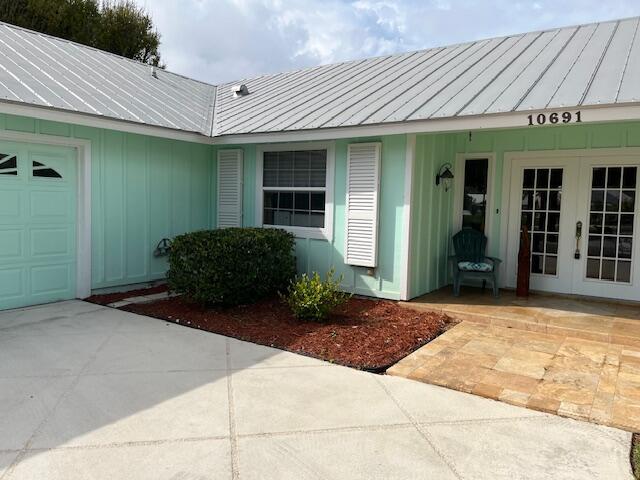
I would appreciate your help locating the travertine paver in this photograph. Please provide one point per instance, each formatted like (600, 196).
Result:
(611, 322)
(584, 379)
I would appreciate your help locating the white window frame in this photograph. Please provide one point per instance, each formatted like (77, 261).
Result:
(324, 233)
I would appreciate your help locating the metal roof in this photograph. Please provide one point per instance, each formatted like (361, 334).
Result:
(595, 64)
(41, 70)
(586, 65)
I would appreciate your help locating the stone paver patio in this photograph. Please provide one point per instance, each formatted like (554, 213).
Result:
(570, 357)
(93, 392)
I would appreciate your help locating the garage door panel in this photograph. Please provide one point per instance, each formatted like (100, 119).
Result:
(48, 204)
(11, 243)
(51, 241)
(51, 280)
(11, 201)
(12, 284)
(44, 168)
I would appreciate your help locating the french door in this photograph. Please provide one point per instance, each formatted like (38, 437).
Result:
(582, 215)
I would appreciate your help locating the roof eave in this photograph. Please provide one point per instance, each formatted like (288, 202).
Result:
(505, 120)
(99, 121)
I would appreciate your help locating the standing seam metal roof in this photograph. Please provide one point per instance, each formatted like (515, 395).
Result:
(41, 70)
(585, 65)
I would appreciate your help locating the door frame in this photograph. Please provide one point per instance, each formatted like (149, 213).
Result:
(507, 172)
(83, 190)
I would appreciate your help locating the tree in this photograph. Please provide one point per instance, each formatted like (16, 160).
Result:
(120, 26)
(127, 30)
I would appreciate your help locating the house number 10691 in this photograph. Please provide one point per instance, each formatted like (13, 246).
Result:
(555, 117)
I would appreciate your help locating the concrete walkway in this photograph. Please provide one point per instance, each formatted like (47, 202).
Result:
(93, 392)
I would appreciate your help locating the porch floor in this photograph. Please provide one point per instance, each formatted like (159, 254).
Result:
(573, 357)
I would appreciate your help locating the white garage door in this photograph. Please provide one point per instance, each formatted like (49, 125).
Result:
(38, 224)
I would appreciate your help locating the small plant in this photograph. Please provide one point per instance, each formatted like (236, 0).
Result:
(314, 299)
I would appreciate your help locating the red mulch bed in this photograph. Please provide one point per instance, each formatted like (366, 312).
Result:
(107, 298)
(363, 333)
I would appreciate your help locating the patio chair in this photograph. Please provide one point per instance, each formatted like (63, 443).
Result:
(470, 260)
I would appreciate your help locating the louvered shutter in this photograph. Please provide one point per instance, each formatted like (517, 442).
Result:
(363, 191)
(229, 188)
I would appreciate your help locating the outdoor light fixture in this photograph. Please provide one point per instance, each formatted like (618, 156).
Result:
(445, 176)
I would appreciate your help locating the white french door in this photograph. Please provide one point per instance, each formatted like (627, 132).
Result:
(582, 215)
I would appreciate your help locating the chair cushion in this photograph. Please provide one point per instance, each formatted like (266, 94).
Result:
(475, 267)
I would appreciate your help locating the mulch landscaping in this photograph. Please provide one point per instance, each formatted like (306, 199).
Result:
(364, 333)
(107, 298)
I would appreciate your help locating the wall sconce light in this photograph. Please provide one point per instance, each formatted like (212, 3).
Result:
(445, 176)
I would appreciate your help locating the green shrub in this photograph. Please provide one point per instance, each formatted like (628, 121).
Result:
(231, 266)
(314, 299)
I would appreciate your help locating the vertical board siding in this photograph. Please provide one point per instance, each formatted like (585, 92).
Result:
(322, 255)
(143, 189)
(432, 208)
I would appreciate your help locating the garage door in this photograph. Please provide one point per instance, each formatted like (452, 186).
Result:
(37, 224)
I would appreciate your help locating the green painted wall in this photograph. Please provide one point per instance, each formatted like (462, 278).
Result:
(146, 188)
(432, 208)
(321, 255)
(143, 189)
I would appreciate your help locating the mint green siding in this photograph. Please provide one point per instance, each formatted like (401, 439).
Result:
(143, 189)
(321, 255)
(147, 188)
(432, 208)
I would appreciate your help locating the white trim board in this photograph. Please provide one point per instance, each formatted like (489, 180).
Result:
(87, 120)
(325, 233)
(591, 114)
(405, 256)
(83, 155)
(494, 121)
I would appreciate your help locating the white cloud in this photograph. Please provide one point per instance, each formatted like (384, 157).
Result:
(218, 40)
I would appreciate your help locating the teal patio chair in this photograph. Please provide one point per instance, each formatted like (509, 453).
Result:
(470, 260)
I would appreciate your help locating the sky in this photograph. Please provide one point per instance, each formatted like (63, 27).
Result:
(219, 41)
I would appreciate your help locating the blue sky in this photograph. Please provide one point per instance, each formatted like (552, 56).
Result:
(224, 40)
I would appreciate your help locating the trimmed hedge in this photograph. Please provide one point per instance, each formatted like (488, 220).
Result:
(231, 266)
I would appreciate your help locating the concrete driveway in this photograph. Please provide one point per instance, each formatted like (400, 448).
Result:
(88, 392)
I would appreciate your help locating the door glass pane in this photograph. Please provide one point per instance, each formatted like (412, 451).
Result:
(541, 204)
(629, 179)
(611, 219)
(623, 273)
(474, 206)
(599, 177)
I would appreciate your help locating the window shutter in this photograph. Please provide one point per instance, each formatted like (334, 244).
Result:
(229, 188)
(363, 191)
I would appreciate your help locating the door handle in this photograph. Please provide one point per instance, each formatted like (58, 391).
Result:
(576, 255)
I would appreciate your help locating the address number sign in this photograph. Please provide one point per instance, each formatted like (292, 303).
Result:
(554, 118)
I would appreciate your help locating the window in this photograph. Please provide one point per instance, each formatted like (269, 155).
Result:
(40, 170)
(294, 184)
(294, 193)
(8, 164)
(474, 203)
